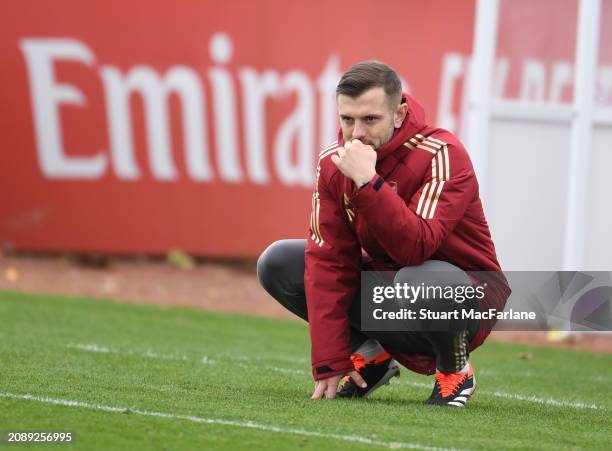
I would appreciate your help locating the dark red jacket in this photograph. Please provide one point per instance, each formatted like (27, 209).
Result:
(427, 208)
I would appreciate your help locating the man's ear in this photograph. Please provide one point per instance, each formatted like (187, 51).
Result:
(400, 114)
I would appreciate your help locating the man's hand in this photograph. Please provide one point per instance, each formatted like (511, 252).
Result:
(357, 161)
(329, 386)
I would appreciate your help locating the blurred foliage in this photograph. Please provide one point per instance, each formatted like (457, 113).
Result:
(180, 259)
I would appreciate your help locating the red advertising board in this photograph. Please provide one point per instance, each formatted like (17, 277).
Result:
(145, 126)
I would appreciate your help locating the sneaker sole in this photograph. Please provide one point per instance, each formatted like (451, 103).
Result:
(392, 371)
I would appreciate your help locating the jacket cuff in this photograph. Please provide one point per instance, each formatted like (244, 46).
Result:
(369, 194)
(325, 369)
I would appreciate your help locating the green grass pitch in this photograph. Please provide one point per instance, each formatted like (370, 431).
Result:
(125, 376)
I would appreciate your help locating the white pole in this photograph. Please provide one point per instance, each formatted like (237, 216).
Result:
(480, 86)
(587, 40)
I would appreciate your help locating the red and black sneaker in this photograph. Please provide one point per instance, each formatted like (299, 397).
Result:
(376, 372)
(453, 390)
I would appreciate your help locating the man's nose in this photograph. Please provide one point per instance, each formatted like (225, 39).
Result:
(359, 130)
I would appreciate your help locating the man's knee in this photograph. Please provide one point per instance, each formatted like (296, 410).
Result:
(280, 269)
(269, 263)
(432, 273)
(278, 259)
(441, 288)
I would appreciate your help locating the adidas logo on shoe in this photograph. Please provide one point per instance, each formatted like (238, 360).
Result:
(453, 390)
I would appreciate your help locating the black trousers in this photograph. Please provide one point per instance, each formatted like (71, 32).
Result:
(280, 270)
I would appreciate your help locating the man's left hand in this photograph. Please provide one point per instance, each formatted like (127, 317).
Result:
(329, 386)
(357, 161)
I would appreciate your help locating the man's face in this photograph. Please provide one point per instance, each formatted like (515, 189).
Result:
(369, 118)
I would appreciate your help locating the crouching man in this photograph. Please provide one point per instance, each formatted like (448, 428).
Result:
(391, 194)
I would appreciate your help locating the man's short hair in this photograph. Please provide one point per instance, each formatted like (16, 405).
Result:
(367, 75)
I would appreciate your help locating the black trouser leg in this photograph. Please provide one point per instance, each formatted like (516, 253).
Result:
(449, 346)
(280, 270)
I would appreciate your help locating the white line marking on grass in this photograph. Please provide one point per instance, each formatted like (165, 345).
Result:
(149, 354)
(250, 358)
(216, 421)
(533, 374)
(242, 358)
(534, 399)
(154, 355)
(547, 401)
(600, 379)
(207, 360)
(273, 368)
(90, 347)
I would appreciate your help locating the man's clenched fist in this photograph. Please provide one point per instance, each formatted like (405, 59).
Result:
(357, 161)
